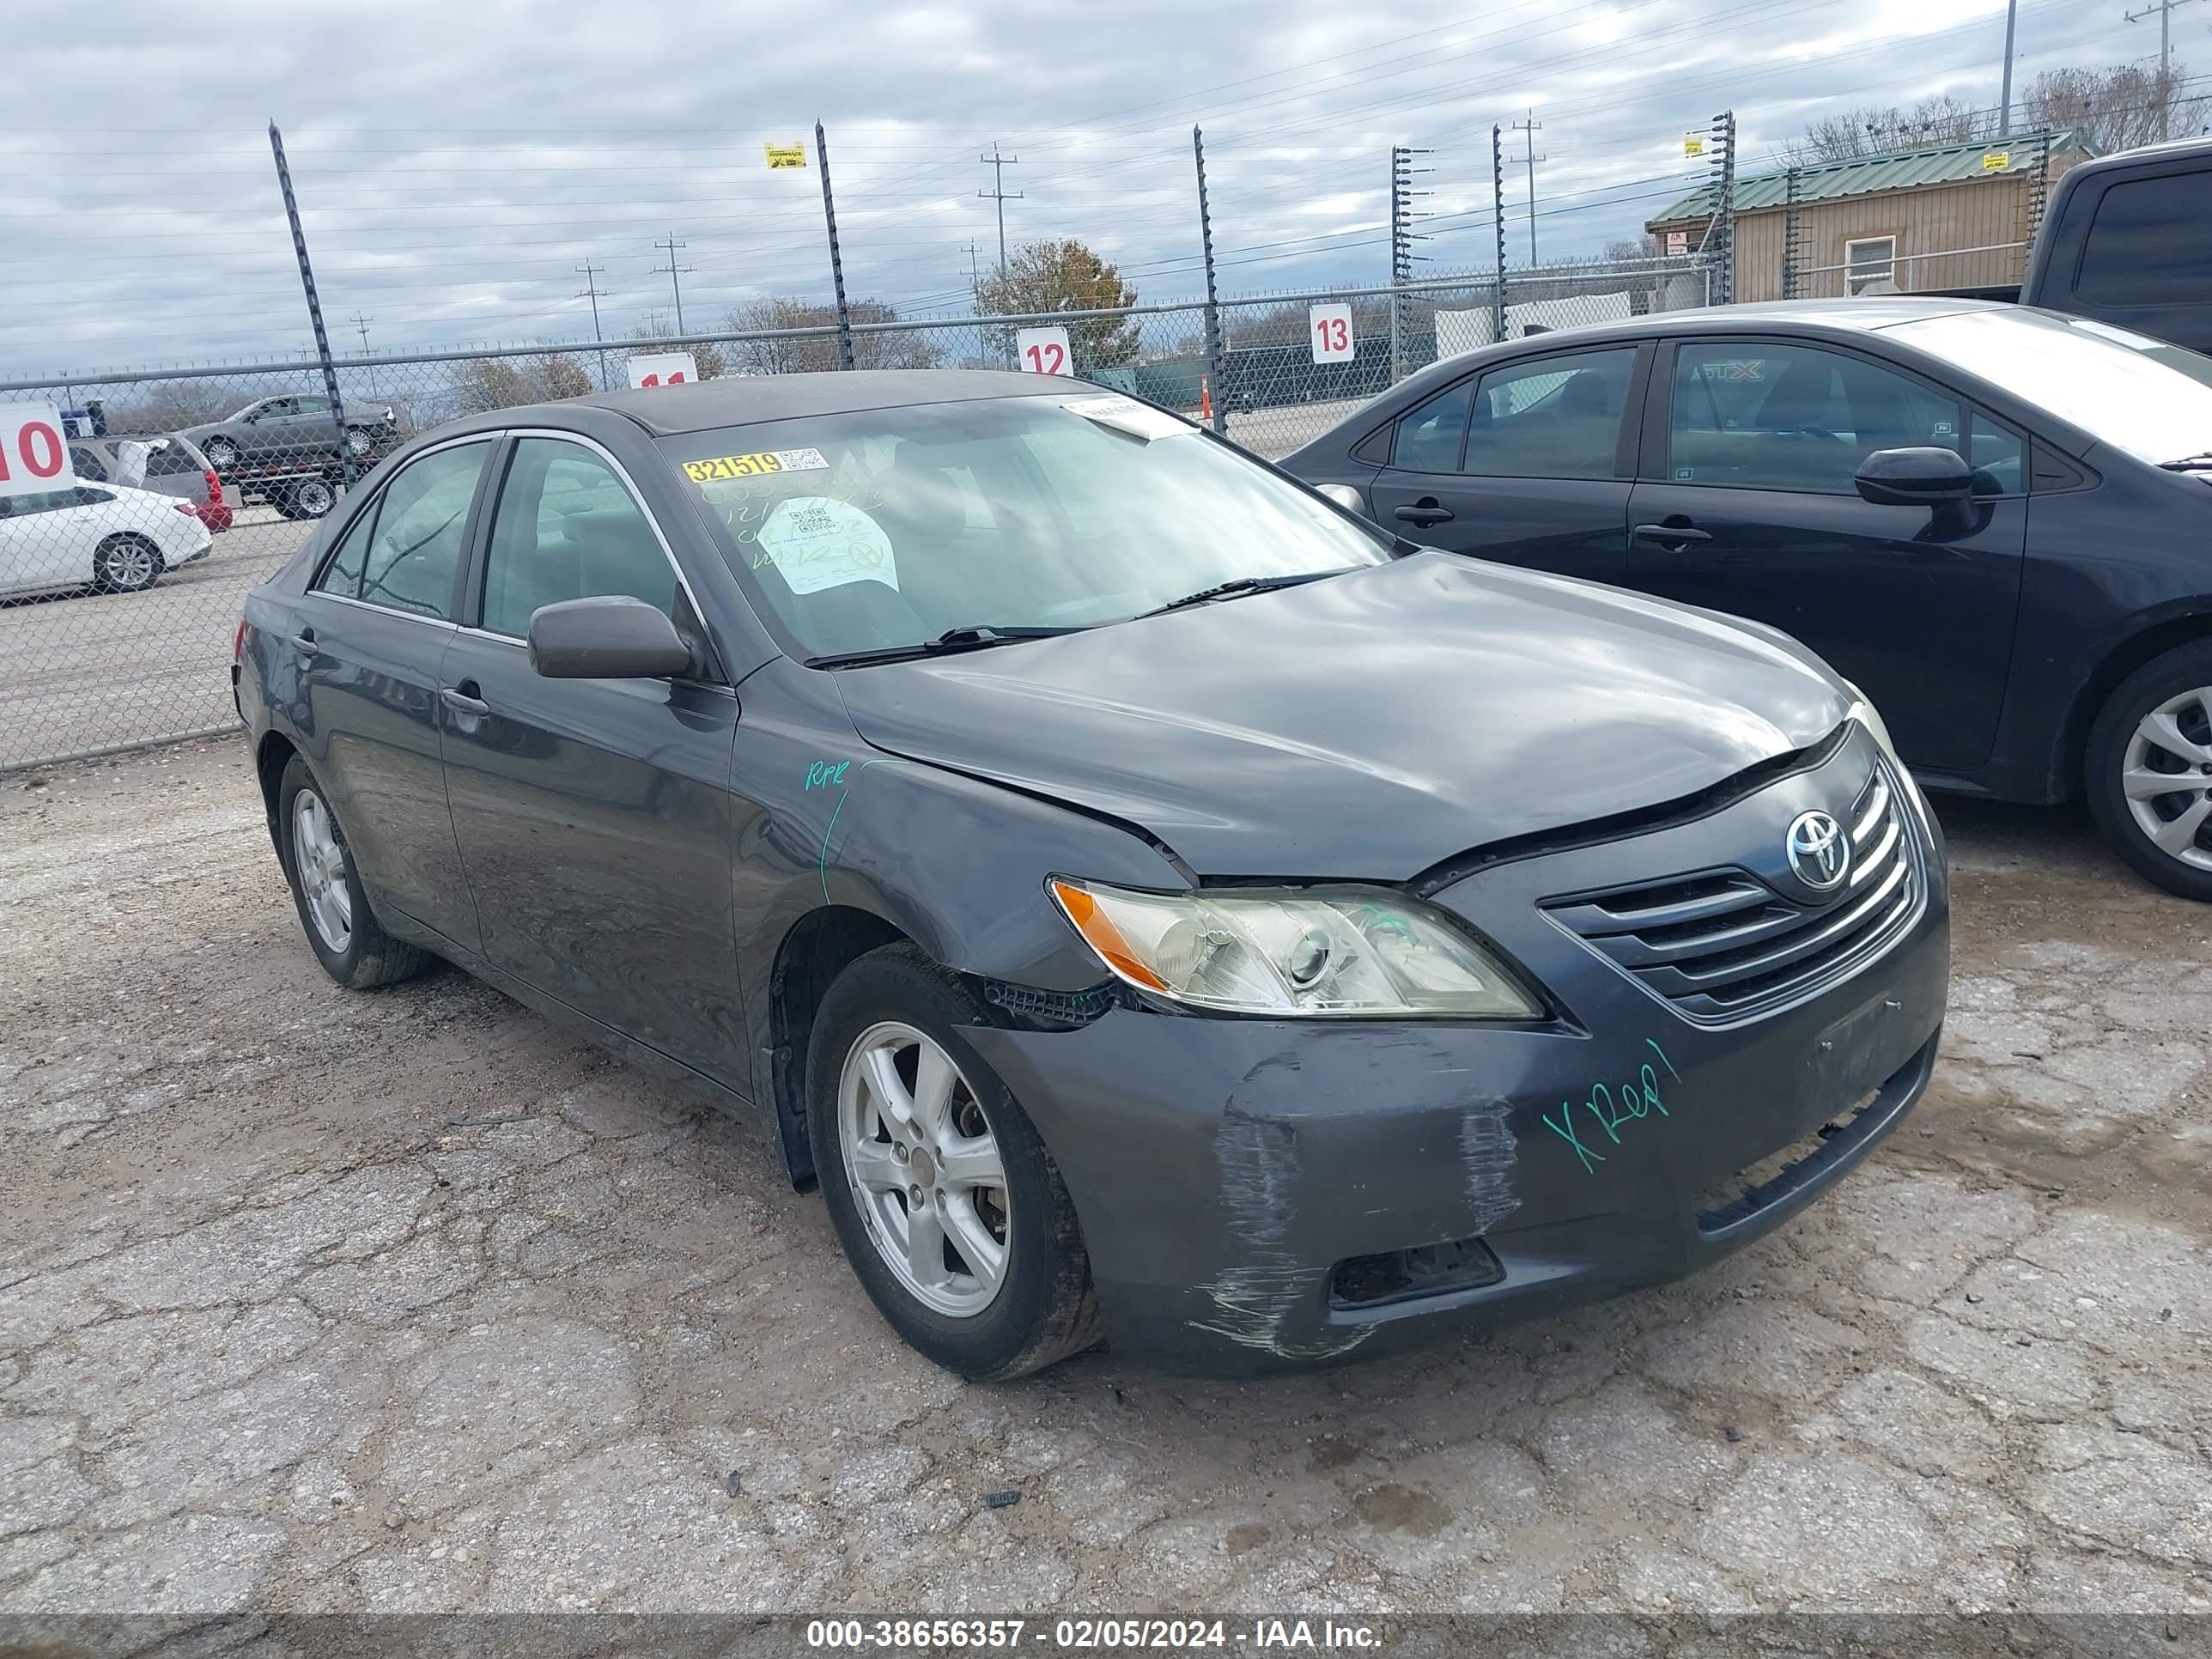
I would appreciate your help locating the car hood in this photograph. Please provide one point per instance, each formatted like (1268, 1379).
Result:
(1364, 726)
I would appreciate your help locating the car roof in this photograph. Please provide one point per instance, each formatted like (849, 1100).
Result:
(743, 399)
(2171, 150)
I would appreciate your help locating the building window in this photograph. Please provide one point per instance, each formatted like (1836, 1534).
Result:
(1872, 259)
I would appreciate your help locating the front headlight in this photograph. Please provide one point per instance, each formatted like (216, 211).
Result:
(1320, 951)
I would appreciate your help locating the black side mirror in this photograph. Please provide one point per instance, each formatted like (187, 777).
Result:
(611, 638)
(1915, 477)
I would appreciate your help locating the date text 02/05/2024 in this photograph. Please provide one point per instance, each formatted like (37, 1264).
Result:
(1094, 1634)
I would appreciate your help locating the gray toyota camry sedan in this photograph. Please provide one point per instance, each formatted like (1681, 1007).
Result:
(1152, 903)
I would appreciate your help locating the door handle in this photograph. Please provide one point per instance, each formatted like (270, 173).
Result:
(1424, 513)
(304, 642)
(461, 703)
(1671, 537)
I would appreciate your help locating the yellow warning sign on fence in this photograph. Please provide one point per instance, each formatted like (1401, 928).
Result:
(786, 156)
(1693, 143)
(1995, 160)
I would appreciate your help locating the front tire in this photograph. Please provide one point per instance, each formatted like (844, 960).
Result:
(126, 564)
(2149, 770)
(358, 443)
(950, 1209)
(221, 454)
(341, 927)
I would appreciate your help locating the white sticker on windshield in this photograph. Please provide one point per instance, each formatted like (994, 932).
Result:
(1127, 415)
(818, 542)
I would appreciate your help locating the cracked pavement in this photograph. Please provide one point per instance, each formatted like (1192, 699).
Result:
(407, 1301)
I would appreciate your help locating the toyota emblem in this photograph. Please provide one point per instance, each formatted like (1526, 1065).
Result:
(1819, 852)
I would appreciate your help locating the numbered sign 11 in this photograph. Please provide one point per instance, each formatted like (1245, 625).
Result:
(1329, 330)
(662, 368)
(1042, 351)
(34, 455)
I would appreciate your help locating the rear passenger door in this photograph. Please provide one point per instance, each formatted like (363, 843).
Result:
(372, 631)
(1529, 463)
(594, 816)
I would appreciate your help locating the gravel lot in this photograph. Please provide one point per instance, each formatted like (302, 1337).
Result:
(407, 1301)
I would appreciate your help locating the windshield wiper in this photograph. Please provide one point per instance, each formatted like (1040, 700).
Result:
(952, 639)
(1240, 586)
(2190, 463)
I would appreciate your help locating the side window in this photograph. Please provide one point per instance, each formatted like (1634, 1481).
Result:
(567, 527)
(1558, 418)
(1795, 417)
(87, 463)
(314, 406)
(1428, 438)
(415, 551)
(277, 406)
(2146, 246)
(1998, 455)
(341, 575)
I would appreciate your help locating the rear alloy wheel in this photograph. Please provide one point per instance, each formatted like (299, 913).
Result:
(346, 939)
(2150, 768)
(357, 443)
(311, 498)
(949, 1207)
(221, 454)
(126, 564)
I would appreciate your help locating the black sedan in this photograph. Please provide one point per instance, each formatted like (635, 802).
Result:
(1149, 899)
(1996, 520)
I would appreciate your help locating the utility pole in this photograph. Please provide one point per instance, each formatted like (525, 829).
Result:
(999, 164)
(975, 280)
(590, 273)
(1529, 130)
(2004, 97)
(674, 272)
(361, 324)
(2165, 10)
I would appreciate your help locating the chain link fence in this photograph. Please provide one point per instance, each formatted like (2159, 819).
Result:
(137, 509)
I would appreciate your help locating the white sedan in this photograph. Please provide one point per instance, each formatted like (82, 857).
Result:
(116, 539)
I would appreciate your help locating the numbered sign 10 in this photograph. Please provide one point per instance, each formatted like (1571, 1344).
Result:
(1329, 330)
(662, 368)
(1043, 351)
(34, 455)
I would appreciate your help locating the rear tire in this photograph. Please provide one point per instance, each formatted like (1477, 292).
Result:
(334, 911)
(309, 499)
(126, 564)
(221, 454)
(895, 1003)
(2157, 724)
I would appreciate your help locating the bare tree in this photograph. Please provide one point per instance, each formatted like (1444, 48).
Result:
(707, 356)
(1939, 118)
(487, 383)
(2117, 107)
(1627, 250)
(813, 353)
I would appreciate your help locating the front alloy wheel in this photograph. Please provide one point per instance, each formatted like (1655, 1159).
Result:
(925, 1169)
(356, 441)
(221, 454)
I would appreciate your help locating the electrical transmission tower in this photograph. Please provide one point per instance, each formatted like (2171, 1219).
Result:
(997, 193)
(674, 272)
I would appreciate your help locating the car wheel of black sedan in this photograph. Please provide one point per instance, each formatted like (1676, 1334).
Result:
(946, 1201)
(2150, 769)
(126, 564)
(342, 928)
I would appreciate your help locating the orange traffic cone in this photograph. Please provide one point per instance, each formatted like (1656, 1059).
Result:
(1205, 400)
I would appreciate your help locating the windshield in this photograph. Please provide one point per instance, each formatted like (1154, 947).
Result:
(885, 529)
(2152, 399)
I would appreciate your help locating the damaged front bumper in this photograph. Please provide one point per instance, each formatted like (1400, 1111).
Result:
(1262, 1195)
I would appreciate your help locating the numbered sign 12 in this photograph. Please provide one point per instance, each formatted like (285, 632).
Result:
(33, 455)
(662, 368)
(1043, 351)
(1329, 330)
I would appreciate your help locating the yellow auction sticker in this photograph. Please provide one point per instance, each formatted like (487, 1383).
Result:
(751, 466)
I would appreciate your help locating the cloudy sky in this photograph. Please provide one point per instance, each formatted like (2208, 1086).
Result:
(453, 177)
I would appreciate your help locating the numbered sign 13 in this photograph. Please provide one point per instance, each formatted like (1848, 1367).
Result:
(1043, 351)
(662, 368)
(1329, 330)
(33, 455)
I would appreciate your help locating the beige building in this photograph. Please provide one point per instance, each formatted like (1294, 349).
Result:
(1946, 217)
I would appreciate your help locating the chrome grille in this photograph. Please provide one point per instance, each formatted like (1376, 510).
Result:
(1720, 945)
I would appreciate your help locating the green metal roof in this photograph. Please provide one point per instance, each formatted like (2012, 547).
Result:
(1903, 169)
